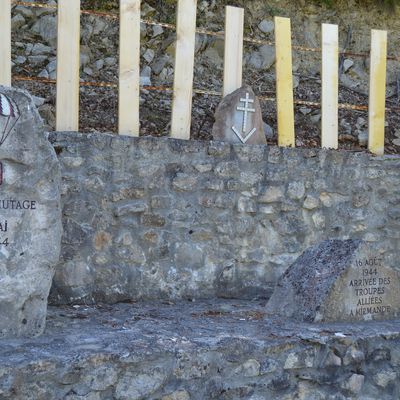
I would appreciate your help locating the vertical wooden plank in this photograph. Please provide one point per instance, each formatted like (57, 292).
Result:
(184, 64)
(233, 58)
(284, 82)
(330, 86)
(5, 43)
(377, 92)
(129, 68)
(68, 54)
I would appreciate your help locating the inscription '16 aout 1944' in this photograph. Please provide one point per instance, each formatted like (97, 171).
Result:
(370, 288)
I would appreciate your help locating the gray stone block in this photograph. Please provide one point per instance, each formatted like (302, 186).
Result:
(338, 280)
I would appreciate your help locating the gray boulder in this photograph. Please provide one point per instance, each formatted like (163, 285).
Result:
(30, 216)
(338, 280)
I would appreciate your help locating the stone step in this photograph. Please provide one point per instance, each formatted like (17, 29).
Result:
(211, 349)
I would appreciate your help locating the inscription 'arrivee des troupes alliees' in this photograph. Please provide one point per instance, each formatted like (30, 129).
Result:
(370, 288)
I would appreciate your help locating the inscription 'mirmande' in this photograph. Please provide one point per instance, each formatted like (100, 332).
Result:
(370, 288)
(13, 204)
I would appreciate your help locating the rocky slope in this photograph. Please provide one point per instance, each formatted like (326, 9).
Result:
(34, 54)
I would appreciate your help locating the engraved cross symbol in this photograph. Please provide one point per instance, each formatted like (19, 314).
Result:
(246, 110)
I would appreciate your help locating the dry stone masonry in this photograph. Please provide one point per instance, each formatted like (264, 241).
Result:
(30, 216)
(164, 218)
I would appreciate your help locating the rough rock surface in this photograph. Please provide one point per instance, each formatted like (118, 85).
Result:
(157, 217)
(208, 350)
(30, 217)
(338, 281)
(238, 118)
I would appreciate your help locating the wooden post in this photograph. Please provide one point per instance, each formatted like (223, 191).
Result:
(233, 59)
(68, 56)
(377, 92)
(284, 82)
(5, 43)
(184, 64)
(330, 86)
(129, 68)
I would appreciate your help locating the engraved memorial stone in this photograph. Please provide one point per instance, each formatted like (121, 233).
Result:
(238, 118)
(338, 281)
(30, 216)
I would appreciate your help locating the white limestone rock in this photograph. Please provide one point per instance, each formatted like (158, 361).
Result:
(30, 216)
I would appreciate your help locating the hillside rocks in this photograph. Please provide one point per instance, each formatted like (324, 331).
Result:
(34, 53)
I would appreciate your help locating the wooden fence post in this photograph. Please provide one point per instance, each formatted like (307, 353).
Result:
(284, 82)
(5, 43)
(183, 73)
(330, 86)
(68, 57)
(129, 68)
(233, 58)
(377, 92)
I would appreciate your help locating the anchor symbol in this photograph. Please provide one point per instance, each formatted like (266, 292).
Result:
(246, 110)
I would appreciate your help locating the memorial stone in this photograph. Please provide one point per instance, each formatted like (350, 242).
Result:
(238, 118)
(338, 281)
(30, 216)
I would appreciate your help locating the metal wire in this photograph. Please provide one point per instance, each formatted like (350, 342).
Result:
(111, 85)
(343, 106)
(201, 31)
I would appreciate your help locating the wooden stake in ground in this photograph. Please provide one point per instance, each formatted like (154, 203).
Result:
(284, 82)
(233, 59)
(5, 43)
(377, 92)
(330, 86)
(68, 57)
(184, 64)
(129, 68)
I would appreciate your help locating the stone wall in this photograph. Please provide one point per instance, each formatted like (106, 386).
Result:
(163, 218)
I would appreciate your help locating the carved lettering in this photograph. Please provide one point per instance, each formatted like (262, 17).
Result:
(11, 205)
(369, 288)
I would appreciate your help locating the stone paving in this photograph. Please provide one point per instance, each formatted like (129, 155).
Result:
(211, 349)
